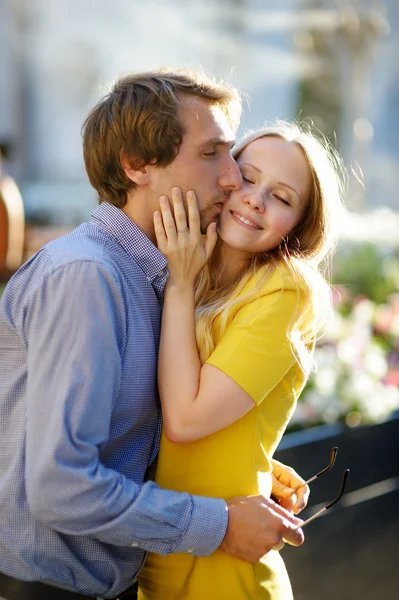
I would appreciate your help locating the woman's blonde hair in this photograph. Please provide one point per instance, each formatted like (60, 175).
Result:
(305, 252)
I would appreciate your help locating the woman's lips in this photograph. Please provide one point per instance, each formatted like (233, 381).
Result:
(245, 222)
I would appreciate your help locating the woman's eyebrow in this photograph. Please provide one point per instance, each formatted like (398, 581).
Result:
(290, 187)
(250, 165)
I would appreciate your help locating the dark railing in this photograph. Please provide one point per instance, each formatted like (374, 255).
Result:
(351, 553)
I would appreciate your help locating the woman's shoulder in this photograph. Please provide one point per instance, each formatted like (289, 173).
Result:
(278, 278)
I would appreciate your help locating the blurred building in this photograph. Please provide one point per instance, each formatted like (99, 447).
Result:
(330, 60)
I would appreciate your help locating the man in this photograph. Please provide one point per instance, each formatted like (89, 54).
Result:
(79, 327)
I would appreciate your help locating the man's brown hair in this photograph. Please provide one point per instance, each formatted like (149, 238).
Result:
(139, 118)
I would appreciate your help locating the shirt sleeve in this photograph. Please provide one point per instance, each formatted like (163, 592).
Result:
(74, 329)
(255, 350)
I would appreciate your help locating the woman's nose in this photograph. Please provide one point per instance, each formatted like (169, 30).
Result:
(255, 201)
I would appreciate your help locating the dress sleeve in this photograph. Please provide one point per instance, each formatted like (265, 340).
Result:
(255, 350)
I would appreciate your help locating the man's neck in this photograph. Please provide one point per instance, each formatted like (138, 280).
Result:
(137, 209)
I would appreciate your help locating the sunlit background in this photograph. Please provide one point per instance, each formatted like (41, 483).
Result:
(332, 62)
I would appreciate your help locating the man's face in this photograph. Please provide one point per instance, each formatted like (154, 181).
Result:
(204, 162)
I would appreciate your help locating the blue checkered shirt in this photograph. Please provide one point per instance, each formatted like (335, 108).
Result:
(80, 419)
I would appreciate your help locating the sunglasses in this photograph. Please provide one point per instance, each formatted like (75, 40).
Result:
(319, 474)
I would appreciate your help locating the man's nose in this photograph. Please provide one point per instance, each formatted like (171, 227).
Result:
(231, 178)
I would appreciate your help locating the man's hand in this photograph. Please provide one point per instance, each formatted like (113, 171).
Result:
(258, 525)
(288, 488)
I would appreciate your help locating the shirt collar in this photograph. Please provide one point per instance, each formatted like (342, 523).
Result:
(132, 239)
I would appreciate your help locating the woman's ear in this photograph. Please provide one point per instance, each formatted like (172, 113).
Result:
(135, 170)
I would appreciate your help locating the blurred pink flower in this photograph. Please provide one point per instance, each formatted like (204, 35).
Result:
(392, 377)
(394, 303)
(383, 319)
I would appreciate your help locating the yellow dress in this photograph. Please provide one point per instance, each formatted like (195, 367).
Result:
(255, 352)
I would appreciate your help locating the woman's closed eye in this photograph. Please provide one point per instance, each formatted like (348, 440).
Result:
(283, 200)
(248, 180)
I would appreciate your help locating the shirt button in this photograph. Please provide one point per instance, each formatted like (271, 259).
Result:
(134, 545)
(191, 550)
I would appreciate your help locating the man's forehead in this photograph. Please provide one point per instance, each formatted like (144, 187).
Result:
(207, 121)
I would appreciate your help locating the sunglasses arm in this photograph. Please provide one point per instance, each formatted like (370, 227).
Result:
(321, 511)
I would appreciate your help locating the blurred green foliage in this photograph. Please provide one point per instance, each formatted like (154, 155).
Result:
(356, 379)
(366, 270)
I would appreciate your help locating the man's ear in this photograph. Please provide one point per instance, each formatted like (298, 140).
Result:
(137, 172)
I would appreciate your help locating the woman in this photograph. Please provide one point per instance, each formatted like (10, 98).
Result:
(241, 334)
